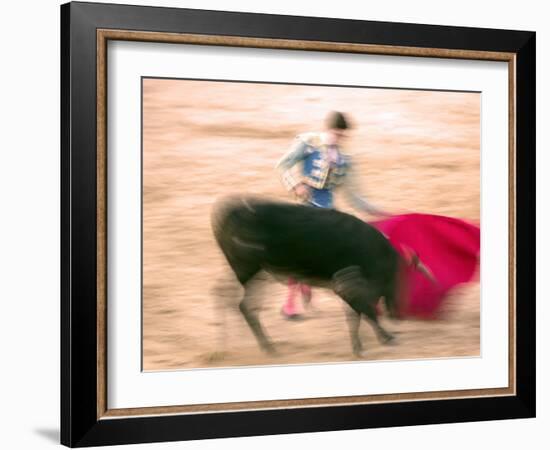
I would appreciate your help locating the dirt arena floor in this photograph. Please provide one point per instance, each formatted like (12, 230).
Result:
(414, 151)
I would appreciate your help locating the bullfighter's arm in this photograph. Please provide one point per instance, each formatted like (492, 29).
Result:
(350, 189)
(298, 152)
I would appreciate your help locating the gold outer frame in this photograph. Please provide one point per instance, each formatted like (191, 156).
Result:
(103, 36)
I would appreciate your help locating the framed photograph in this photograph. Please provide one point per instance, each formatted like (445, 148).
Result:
(277, 224)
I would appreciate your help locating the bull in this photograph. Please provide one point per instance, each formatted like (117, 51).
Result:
(321, 247)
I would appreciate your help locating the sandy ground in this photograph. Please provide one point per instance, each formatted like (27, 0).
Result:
(414, 151)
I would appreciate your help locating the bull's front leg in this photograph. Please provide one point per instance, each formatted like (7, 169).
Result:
(354, 321)
(383, 335)
(350, 285)
(361, 296)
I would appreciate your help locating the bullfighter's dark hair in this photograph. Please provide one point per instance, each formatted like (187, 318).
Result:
(337, 120)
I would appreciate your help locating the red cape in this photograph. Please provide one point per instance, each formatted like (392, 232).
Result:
(448, 247)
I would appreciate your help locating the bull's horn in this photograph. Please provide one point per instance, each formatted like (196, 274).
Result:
(427, 272)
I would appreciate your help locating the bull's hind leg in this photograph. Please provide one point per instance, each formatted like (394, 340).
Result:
(249, 308)
(361, 296)
(226, 294)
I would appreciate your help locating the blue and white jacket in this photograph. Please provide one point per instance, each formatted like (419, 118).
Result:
(321, 172)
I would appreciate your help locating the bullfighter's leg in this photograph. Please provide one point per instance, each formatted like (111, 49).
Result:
(249, 308)
(289, 309)
(361, 296)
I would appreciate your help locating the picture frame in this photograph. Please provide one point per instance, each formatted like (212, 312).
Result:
(86, 29)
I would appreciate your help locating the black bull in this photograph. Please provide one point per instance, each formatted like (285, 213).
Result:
(322, 247)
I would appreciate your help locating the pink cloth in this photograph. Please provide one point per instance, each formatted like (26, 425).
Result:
(448, 247)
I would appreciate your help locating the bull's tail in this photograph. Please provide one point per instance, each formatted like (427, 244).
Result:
(221, 220)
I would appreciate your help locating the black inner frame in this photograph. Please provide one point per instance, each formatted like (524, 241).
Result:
(79, 423)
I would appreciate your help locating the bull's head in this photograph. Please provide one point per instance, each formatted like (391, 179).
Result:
(391, 298)
(409, 260)
(392, 307)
